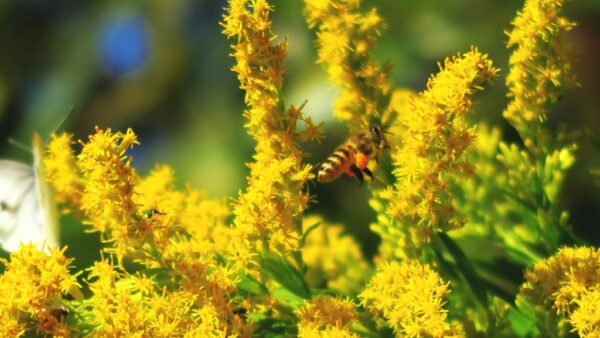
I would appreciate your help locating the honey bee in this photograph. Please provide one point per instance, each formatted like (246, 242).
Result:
(353, 156)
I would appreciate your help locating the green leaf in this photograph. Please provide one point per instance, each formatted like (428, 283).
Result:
(286, 297)
(523, 256)
(530, 206)
(466, 269)
(499, 291)
(250, 285)
(4, 255)
(522, 324)
(267, 326)
(159, 274)
(297, 255)
(363, 331)
(328, 292)
(286, 275)
(549, 228)
(308, 231)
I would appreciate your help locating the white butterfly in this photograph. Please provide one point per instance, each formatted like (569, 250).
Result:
(27, 210)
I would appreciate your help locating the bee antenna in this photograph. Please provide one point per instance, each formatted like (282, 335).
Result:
(384, 129)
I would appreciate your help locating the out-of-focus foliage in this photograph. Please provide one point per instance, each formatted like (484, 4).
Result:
(334, 259)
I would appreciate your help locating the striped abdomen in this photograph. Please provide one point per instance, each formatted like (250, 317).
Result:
(338, 162)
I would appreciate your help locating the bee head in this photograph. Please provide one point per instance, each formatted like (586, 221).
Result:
(376, 131)
(378, 136)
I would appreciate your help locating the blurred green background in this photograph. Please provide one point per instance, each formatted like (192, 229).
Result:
(162, 68)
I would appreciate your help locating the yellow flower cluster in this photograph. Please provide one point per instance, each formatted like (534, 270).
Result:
(32, 288)
(61, 167)
(267, 213)
(129, 211)
(99, 181)
(326, 317)
(410, 296)
(431, 154)
(107, 198)
(165, 213)
(568, 283)
(345, 37)
(135, 306)
(585, 317)
(333, 259)
(539, 67)
(149, 221)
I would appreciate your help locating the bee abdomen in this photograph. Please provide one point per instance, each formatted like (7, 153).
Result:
(336, 164)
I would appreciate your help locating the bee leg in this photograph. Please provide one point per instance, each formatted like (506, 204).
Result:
(369, 173)
(357, 173)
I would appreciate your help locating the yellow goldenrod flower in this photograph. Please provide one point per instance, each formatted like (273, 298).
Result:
(435, 137)
(32, 287)
(109, 180)
(194, 266)
(156, 225)
(61, 169)
(400, 104)
(130, 211)
(410, 296)
(11, 327)
(116, 307)
(332, 258)
(107, 196)
(156, 191)
(540, 66)
(164, 211)
(209, 324)
(561, 279)
(584, 318)
(133, 305)
(345, 38)
(159, 206)
(99, 182)
(207, 220)
(326, 316)
(265, 213)
(170, 313)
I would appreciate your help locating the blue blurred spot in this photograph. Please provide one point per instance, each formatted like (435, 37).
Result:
(123, 44)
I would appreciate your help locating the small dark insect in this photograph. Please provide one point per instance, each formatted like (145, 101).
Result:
(60, 313)
(241, 312)
(149, 213)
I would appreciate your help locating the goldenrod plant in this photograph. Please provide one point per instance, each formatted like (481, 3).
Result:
(411, 297)
(345, 38)
(175, 263)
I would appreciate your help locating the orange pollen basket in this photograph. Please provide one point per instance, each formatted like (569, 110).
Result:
(361, 160)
